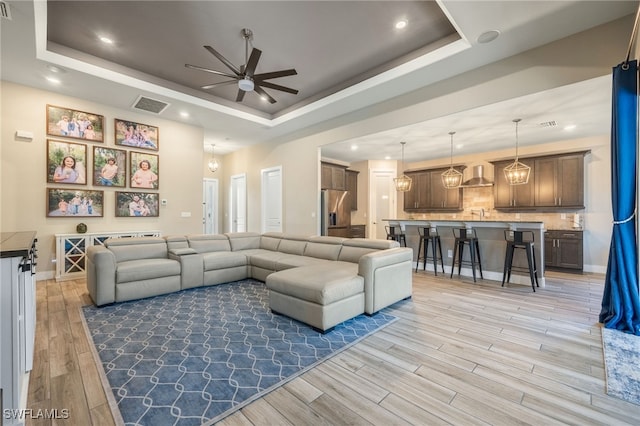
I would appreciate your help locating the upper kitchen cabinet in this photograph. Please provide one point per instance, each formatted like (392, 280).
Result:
(508, 196)
(333, 176)
(352, 187)
(559, 181)
(429, 194)
(556, 183)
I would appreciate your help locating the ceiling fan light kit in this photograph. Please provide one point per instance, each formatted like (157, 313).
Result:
(517, 173)
(245, 76)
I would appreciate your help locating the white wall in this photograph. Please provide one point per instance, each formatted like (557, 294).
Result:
(24, 178)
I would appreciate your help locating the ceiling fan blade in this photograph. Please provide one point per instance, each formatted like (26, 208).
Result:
(253, 61)
(278, 87)
(215, 53)
(261, 92)
(274, 74)
(195, 67)
(223, 83)
(240, 95)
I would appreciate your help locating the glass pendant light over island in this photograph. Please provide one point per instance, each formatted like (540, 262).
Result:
(452, 178)
(402, 182)
(517, 173)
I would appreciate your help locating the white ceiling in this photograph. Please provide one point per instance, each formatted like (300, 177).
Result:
(304, 35)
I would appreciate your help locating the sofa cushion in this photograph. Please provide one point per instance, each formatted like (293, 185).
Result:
(270, 242)
(324, 247)
(266, 260)
(176, 242)
(209, 243)
(243, 240)
(316, 283)
(292, 261)
(222, 260)
(146, 269)
(126, 249)
(293, 244)
(353, 249)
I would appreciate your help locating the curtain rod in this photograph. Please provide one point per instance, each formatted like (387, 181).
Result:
(633, 35)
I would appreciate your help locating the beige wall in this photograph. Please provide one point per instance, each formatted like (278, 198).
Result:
(23, 172)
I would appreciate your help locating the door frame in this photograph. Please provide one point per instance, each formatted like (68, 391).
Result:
(371, 224)
(215, 184)
(265, 196)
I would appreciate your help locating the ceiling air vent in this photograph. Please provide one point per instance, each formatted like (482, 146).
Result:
(5, 12)
(551, 123)
(150, 105)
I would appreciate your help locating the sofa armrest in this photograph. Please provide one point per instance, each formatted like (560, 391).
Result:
(101, 275)
(387, 277)
(191, 267)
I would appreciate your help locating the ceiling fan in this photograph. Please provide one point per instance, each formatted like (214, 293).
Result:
(245, 76)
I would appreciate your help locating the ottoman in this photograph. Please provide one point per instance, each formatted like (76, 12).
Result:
(321, 296)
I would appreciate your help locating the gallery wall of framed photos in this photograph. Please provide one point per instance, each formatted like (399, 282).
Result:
(85, 174)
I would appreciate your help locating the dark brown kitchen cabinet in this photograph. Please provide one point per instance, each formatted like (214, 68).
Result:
(352, 187)
(508, 196)
(333, 176)
(563, 250)
(357, 231)
(417, 198)
(429, 194)
(559, 181)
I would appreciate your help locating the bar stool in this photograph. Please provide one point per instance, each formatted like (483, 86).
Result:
(429, 235)
(396, 233)
(520, 240)
(464, 237)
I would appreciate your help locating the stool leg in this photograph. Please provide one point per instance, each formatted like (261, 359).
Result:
(418, 258)
(511, 253)
(473, 259)
(453, 259)
(440, 251)
(535, 266)
(506, 263)
(460, 255)
(426, 250)
(530, 263)
(435, 259)
(479, 260)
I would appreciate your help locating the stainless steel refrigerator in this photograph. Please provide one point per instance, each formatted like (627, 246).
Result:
(336, 212)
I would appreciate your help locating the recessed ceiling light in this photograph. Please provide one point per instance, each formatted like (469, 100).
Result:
(53, 80)
(401, 24)
(459, 146)
(184, 114)
(264, 98)
(106, 40)
(354, 147)
(488, 36)
(387, 157)
(570, 127)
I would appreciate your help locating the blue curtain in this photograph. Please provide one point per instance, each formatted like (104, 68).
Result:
(620, 301)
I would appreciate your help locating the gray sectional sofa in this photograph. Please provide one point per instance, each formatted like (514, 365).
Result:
(321, 281)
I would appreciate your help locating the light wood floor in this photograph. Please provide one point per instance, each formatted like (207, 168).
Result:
(461, 353)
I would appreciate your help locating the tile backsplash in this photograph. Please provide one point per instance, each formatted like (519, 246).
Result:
(479, 201)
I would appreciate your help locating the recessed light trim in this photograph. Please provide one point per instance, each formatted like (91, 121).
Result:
(105, 40)
(400, 24)
(488, 36)
(53, 80)
(570, 127)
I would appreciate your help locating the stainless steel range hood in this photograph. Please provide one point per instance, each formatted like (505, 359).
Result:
(478, 179)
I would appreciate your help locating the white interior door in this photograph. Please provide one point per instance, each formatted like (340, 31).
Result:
(210, 206)
(238, 211)
(272, 199)
(383, 202)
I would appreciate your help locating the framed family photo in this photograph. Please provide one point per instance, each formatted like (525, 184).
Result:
(137, 204)
(62, 202)
(72, 123)
(145, 170)
(66, 162)
(109, 166)
(137, 135)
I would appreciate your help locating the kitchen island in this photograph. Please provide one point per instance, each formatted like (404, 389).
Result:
(491, 241)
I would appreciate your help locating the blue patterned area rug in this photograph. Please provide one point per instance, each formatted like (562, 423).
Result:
(196, 356)
(622, 361)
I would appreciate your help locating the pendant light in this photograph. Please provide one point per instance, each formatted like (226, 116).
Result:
(213, 163)
(402, 182)
(452, 178)
(517, 173)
